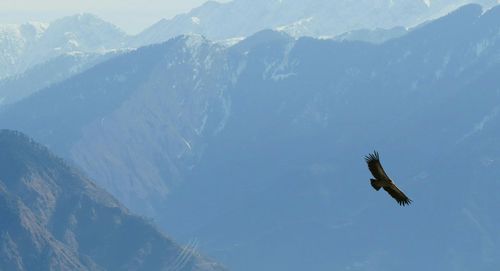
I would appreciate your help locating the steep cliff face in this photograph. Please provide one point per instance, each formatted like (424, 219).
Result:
(54, 218)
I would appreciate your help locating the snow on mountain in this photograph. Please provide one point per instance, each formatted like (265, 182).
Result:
(26, 45)
(82, 32)
(23, 46)
(175, 69)
(256, 149)
(240, 18)
(15, 40)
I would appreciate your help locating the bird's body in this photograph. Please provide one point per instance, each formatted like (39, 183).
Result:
(383, 181)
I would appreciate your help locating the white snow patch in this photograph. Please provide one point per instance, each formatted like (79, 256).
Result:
(76, 54)
(298, 23)
(298, 28)
(325, 37)
(230, 42)
(73, 43)
(427, 3)
(39, 26)
(193, 44)
(194, 41)
(280, 70)
(195, 20)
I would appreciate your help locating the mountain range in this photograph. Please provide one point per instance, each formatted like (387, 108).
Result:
(318, 18)
(255, 150)
(26, 45)
(55, 218)
(57, 69)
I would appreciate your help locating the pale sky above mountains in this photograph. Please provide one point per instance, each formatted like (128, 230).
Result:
(130, 15)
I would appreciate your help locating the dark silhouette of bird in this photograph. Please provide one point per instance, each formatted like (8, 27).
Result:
(382, 180)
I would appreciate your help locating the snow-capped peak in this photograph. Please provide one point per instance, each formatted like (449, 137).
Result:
(25, 45)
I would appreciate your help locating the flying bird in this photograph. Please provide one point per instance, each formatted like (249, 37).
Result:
(382, 180)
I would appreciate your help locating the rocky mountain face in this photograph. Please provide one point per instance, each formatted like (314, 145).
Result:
(256, 150)
(55, 218)
(163, 89)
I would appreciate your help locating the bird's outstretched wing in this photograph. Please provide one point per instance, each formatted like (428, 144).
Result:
(397, 194)
(375, 167)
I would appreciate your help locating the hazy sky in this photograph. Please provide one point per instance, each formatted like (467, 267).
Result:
(131, 15)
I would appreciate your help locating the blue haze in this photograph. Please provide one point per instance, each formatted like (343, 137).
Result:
(256, 150)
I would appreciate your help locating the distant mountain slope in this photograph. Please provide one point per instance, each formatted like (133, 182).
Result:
(14, 42)
(23, 46)
(285, 184)
(241, 18)
(256, 149)
(148, 88)
(54, 218)
(57, 69)
(373, 36)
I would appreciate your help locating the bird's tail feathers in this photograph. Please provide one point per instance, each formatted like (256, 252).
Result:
(374, 184)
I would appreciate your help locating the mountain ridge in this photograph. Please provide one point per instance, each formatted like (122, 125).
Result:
(318, 19)
(59, 220)
(84, 32)
(26, 45)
